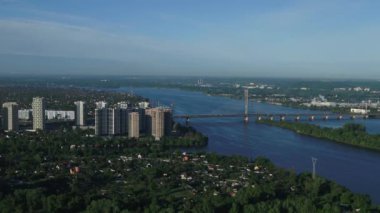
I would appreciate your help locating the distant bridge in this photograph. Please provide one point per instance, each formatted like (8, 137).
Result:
(277, 116)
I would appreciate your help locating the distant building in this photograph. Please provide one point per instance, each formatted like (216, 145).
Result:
(123, 120)
(101, 121)
(158, 124)
(133, 125)
(59, 115)
(155, 118)
(143, 105)
(80, 113)
(10, 116)
(25, 114)
(360, 111)
(168, 120)
(101, 104)
(324, 103)
(142, 118)
(111, 121)
(148, 121)
(38, 106)
(123, 105)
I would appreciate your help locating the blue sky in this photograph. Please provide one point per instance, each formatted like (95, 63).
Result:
(257, 38)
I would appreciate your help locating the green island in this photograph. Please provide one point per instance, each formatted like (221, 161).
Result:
(351, 133)
(69, 170)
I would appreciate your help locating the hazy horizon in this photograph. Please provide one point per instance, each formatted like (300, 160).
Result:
(294, 39)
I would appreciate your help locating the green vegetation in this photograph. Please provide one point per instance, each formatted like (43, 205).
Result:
(352, 134)
(71, 171)
(62, 98)
(185, 137)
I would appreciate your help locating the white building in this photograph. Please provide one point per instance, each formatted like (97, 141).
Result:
(323, 104)
(360, 111)
(123, 105)
(25, 114)
(59, 115)
(143, 105)
(38, 106)
(101, 104)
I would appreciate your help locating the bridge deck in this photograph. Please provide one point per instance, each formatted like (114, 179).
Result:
(188, 116)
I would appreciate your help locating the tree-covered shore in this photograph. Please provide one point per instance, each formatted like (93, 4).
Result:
(71, 171)
(350, 133)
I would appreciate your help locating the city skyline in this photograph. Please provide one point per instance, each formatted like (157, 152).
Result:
(324, 39)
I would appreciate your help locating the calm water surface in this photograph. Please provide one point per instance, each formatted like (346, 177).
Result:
(355, 168)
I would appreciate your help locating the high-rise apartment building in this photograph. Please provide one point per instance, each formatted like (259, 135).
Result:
(111, 121)
(133, 125)
(120, 121)
(168, 120)
(142, 118)
(80, 113)
(123, 116)
(38, 106)
(10, 116)
(101, 121)
(155, 118)
(148, 121)
(158, 124)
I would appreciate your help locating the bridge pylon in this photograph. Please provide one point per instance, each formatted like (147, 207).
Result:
(246, 105)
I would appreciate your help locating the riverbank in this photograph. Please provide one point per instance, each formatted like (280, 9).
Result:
(350, 134)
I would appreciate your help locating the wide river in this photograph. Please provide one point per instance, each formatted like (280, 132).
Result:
(357, 169)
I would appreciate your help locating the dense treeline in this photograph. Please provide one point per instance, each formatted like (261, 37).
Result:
(350, 133)
(70, 171)
(62, 98)
(185, 136)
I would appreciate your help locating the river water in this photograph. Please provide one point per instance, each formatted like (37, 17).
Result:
(357, 169)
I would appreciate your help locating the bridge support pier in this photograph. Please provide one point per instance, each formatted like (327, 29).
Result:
(282, 118)
(311, 118)
(245, 118)
(297, 118)
(340, 117)
(259, 118)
